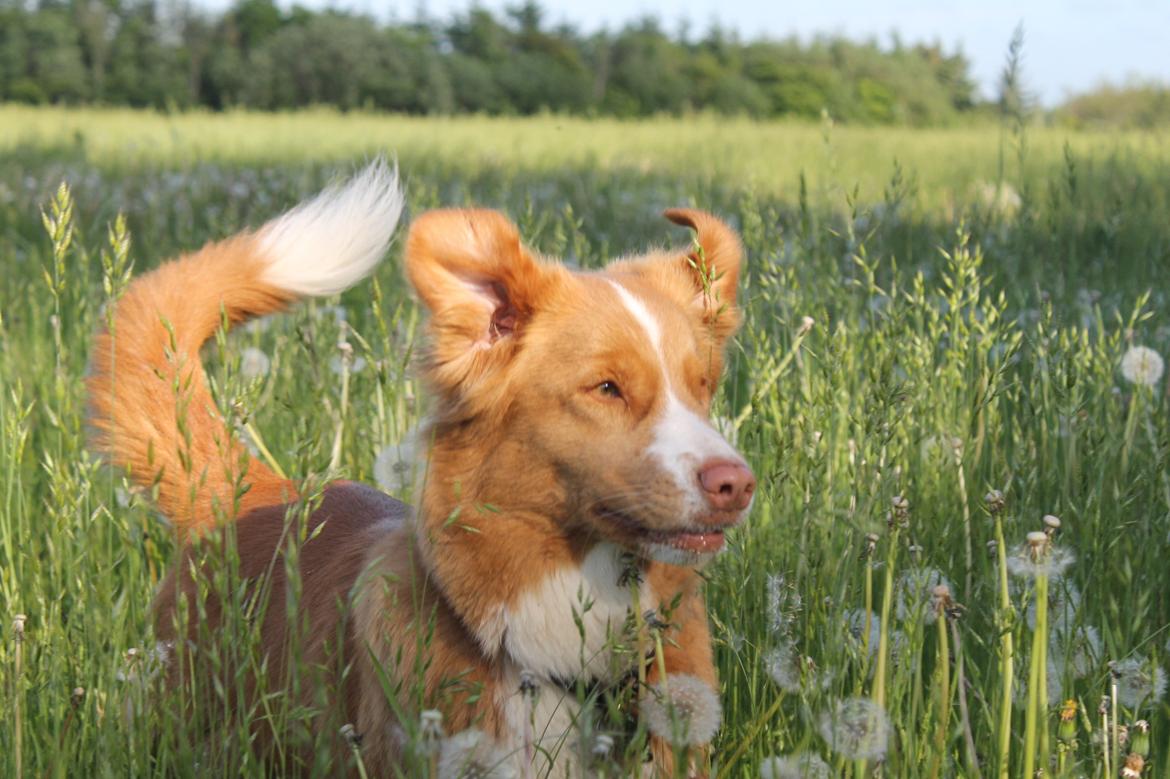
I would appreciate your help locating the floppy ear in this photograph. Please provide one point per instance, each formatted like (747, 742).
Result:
(480, 286)
(713, 268)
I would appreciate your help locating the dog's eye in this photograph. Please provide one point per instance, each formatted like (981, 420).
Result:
(610, 389)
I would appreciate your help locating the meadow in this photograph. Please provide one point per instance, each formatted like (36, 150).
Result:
(952, 341)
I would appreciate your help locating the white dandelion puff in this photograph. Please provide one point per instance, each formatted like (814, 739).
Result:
(397, 464)
(783, 664)
(254, 363)
(1078, 648)
(916, 594)
(856, 729)
(471, 754)
(1138, 681)
(684, 712)
(356, 364)
(1026, 563)
(1142, 365)
(803, 765)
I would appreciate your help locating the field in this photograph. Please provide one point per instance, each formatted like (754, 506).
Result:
(941, 348)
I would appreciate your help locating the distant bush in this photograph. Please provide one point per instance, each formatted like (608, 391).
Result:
(1143, 105)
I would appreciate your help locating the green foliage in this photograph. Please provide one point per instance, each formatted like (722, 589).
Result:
(254, 54)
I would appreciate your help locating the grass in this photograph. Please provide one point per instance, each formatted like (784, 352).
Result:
(970, 294)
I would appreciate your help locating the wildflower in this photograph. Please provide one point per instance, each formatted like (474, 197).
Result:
(1067, 730)
(254, 363)
(396, 465)
(806, 324)
(856, 729)
(802, 765)
(995, 501)
(471, 754)
(1142, 365)
(1138, 681)
(783, 665)
(684, 711)
(916, 597)
(18, 626)
(1037, 556)
(1134, 765)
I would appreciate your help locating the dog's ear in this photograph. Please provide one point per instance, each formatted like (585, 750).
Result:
(479, 284)
(712, 266)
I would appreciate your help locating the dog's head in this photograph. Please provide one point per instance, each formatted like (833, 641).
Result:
(589, 388)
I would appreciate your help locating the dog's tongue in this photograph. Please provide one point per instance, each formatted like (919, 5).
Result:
(698, 542)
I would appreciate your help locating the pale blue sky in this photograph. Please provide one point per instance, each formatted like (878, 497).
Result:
(1069, 44)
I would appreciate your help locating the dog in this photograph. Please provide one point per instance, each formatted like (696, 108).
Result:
(573, 489)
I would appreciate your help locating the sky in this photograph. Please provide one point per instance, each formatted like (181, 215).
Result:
(1069, 45)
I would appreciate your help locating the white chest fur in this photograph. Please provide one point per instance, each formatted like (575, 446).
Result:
(570, 624)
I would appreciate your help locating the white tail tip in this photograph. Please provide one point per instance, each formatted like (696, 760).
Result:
(328, 244)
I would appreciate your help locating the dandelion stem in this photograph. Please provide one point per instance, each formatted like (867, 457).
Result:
(972, 754)
(1040, 646)
(944, 696)
(1006, 653)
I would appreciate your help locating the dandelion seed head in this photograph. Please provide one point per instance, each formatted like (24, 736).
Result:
(802, 765)
(254, 363)
(783, 664)
(856, 729)
(1138, 681)
(1028, 560)
(1077, 647)
(686, 711)
(1142, 365)
(397, 464)
(471, 754)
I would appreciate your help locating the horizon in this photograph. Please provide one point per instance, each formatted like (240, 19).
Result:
(1056, 35)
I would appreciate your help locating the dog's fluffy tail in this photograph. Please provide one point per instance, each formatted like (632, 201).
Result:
(150, 407)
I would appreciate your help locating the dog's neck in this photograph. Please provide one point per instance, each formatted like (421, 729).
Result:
(496, 535)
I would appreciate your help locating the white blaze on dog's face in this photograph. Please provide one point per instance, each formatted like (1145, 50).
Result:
(595, 385)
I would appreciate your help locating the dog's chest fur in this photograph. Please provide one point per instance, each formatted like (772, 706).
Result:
(577, 621)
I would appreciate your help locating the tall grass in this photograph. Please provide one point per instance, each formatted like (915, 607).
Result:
(930, 364)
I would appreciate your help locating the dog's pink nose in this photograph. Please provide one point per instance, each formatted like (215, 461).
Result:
(727, 484)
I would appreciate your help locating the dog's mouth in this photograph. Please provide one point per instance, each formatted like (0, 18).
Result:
(701, 538)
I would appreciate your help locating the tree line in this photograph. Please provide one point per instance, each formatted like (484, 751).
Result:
(256, 55)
